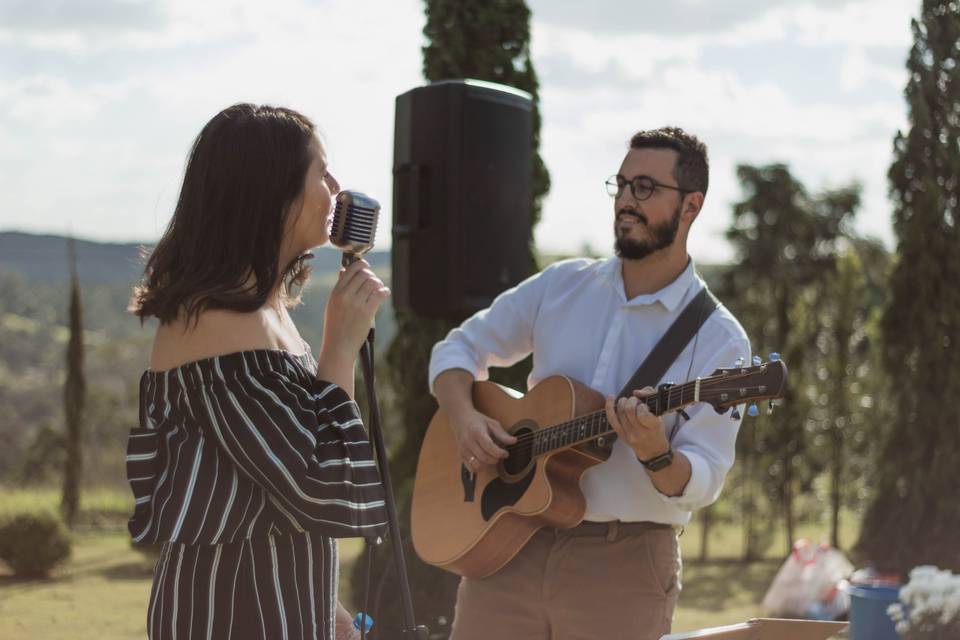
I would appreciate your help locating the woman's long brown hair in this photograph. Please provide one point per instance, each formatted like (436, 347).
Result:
(222, 246)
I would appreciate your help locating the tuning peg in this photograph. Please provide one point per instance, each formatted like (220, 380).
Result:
(757, 361)
(774, 356)
(735, 414)
(769, 407)
(740, 361)
(752, 410)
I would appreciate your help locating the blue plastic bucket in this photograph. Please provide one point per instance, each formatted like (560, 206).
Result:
(868, 612)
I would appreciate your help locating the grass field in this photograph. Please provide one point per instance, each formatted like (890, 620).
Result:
(102, 591)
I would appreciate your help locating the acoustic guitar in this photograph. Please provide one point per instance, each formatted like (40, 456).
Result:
(474, 523)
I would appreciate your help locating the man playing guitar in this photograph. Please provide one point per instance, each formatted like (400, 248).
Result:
(616, 575)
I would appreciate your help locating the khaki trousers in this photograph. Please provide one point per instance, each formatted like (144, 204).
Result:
(612, 581)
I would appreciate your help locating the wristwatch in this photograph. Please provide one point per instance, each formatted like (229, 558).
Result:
(659, 462)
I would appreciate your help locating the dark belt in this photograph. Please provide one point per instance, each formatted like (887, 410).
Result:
(610, 530)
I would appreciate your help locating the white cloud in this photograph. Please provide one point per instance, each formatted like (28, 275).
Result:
(636, 56)
(718, 102)
(315, 58)
(678, 17)
(48, 102)
(75, 28)
(858, 68)
(864, 23)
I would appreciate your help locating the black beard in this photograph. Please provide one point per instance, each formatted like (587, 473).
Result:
(663, 236)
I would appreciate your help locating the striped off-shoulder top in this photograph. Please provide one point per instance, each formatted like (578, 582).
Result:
(246, 445)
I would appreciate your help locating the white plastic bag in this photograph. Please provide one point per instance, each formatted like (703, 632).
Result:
(806, 584)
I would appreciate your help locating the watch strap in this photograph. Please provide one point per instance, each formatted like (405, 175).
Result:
(659, 462)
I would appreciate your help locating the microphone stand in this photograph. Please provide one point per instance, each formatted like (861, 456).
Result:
(411, 630)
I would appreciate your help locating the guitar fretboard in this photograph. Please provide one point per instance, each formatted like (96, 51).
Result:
(593, 425)
(582, 429)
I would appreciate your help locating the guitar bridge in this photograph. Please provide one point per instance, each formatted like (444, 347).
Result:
(469, 480)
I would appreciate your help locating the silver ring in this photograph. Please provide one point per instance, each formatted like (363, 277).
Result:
(472, 460)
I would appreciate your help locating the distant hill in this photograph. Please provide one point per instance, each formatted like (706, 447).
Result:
(43, 258)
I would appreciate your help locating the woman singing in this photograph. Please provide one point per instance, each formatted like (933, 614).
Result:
(251, 458)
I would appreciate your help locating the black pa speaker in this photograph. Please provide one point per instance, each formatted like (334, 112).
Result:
(461, 195)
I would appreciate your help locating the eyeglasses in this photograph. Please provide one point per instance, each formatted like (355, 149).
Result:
(642, 187)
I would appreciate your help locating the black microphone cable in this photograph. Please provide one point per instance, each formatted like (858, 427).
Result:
(370, 542)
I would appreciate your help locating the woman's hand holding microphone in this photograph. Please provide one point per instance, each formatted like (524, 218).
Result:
(351, 307)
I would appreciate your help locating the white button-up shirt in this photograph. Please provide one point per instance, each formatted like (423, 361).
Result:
(576, 320)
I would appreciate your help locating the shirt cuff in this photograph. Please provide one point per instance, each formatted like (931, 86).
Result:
(695, 493)
(441, 362)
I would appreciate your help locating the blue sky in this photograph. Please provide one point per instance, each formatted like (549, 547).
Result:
(100, 99)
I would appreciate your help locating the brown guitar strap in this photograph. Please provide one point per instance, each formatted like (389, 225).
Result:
(673, 342)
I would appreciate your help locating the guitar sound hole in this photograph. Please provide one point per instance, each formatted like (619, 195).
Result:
(521, 453)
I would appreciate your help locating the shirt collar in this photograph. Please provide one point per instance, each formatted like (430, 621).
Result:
(669, 296)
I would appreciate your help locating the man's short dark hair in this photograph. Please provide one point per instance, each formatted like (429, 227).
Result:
(692, 168)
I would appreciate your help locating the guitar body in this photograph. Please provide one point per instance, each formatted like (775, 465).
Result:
(473, 524)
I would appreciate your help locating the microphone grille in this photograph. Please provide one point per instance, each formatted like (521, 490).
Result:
(355, 219)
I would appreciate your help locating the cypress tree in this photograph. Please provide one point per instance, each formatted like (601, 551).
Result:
(483, 40)
(74, 393)
(844, 318)
(487, 40)
(914, 515)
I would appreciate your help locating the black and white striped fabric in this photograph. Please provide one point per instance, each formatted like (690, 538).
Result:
(282, 586)
(246, 467)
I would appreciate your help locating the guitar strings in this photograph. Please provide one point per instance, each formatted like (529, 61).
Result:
(526, 442)
(591, 419)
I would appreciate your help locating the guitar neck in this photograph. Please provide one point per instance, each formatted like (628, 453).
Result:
(723, 389)
(594, 425)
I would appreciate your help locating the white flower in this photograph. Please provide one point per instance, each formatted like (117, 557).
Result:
(929, 604)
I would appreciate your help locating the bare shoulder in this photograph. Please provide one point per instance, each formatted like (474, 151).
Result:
(218, 332)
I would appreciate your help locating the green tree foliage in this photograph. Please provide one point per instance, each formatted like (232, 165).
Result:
(841, 403)
(914, 516)
(43, 459)
(74, 393)
(786, 242)
(847, 407)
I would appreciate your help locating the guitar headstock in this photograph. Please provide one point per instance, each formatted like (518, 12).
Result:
(726, 388)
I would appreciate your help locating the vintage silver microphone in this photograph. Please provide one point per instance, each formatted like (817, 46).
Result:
(355, 219)
(354, 226)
